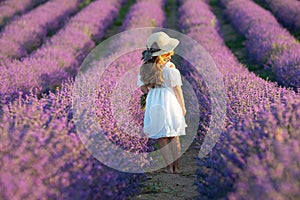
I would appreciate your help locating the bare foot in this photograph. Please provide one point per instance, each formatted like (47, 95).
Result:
(169, 169)
(176, 170)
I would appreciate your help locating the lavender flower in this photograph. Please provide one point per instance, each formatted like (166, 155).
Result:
(27, 32)
(65, 50)
(287, 12)
(267, 41)
(8, 9)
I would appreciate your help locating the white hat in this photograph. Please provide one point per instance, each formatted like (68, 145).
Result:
(162, 41)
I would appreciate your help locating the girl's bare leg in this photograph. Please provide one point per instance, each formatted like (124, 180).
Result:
(175, 147)
(165, 152)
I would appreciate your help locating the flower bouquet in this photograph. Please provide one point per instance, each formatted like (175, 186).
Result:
(143, 101)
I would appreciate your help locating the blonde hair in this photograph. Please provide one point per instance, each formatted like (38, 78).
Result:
(151, 71)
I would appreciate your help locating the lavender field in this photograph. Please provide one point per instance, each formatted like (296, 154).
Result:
(45, 42)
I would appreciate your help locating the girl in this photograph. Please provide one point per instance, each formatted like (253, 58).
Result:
(165, 112)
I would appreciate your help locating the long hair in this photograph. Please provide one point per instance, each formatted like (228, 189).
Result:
(151, 71)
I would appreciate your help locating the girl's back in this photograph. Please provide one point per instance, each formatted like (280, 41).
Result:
(171, 76)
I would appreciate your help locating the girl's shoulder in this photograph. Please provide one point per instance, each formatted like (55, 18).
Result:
(170, 64)
(171, 70)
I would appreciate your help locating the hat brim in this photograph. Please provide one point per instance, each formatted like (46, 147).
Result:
(172, 44)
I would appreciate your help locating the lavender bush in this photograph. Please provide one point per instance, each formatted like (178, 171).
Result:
(27, 32)
(162, 3)
(267, 41)
(43, 158)
(145, 13)
(272, 167)
(256, 108)
(9, 9)
(287, 12)
(60, 56)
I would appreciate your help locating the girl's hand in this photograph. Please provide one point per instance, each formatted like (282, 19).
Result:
(184, 111)
(144, 89)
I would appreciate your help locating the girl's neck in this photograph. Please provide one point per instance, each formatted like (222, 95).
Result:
(166, 62)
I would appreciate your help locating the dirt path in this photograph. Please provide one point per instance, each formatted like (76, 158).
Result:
(172, 186)
(160, 185)
(115, 28)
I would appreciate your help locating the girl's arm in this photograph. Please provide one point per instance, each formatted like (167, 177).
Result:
(144, 89)
(142, 86)
(178, 93)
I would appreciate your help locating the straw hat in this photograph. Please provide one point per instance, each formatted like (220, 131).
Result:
(159, 43)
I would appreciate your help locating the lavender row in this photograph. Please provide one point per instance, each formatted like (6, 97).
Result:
(287, 12)
(144, 14)
(40, 144)
(235, 75)
(160, 3)
(44, 158)
(267, 41)
(9, 9)
(59, 57)
(260, 115)
(23, 35)
(265, 160)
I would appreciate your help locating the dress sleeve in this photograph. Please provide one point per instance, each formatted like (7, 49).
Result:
(175, 77)
(139, 82)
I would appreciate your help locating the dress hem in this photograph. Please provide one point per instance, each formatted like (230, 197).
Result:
(166, 136)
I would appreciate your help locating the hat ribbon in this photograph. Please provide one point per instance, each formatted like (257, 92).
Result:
(147, 54)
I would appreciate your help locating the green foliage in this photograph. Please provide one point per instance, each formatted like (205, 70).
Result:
(84, 4)
(87, 31)
(124, 9)
(213, 2)
(278, 48)
(153, 22)
(264, 5)
(297, 35)
(213, 22)
(152, 187)
(143, 101)
(267, 75)
(236, 43)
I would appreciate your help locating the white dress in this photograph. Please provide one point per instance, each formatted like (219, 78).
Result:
(163, 115)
